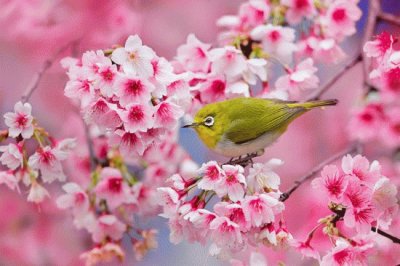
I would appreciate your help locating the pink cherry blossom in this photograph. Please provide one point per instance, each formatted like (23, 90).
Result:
(137, 117)
(106, 78)
(360, 168)
(228, 60)
(384, 200)
(80, 86)
(135, 58)
(276, 40)
(340, 19)
(324, 50)
(253, 13)
(390, 82)
(130, 144)
(380, 45)
(261, 209)
(359, 212)
(225, 232)
(20, 121)
(108, 226)
(366, 123)
(12, 156)
(131, 89)
(167, 114)
(298, 9)
(7, 178)
(234, 212)
(169, 199)
(103, 114)
(300, 79)
(344, 253)
(113, 188)
(37, 193)
(332, 181)
(48, 161)
(233, 183)
(262, 176)
(212, 174)
(213, 90)
(194, 55)
(75, 199)
(93, 60)
(256, 70)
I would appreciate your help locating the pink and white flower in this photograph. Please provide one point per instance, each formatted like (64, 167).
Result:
(12, 156)
(20, 121)
(103, 253)
(135, 58)
(384, 200)
(37, 193)
(225, 232)
(212, 175)
(261, 209)
(233, 183)
(137, 117)
(75, 199)
(193, 55)
(340, 19)
(332, 181)
(298, 9)
(381, 44)
(262, 176)
(360, 168)
(48, 161)
(130, 144)
(276, 40)
(300, 79)
(133, 90)
(108, 226)
(9, 179)
(103, 114)
(167, 114)
(105, 79)
(228, 60)
(113, 188)
(390, 133)
(366, 123)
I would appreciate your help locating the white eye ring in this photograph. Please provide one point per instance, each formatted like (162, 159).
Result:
(209, 121)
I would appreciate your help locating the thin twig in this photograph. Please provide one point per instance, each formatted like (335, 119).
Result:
(389, 18)
(387, 235)
(284, 196)
(335, 78)
(46, 65)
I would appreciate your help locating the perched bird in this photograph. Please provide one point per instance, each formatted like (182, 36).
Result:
(243, 126)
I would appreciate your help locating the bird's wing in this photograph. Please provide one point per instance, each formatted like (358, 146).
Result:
(250, 121)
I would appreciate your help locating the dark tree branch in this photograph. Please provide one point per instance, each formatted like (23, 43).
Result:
(395, 240)
(284, 196)
(389, 18)
(335, 78)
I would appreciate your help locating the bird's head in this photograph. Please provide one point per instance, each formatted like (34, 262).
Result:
(209, 123)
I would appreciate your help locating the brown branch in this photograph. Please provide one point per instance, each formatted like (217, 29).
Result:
(284, 196)
(395, 240)
(336, 77)
(389, 18)
(46, 65)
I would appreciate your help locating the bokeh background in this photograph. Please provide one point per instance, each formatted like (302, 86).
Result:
(33, 31)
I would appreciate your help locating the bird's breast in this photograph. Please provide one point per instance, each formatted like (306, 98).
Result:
(228, 148)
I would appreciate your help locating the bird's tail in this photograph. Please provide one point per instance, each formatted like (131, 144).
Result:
(313, 104)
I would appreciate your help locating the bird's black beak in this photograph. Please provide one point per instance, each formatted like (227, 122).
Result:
(191, 125)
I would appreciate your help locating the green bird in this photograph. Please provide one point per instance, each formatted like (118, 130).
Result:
(243, 126)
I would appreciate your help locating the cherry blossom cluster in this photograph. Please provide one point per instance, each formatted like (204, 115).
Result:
(379, 117)
(129, 93)
(131, 101)
(109, 201)
(264, 31)
(234, 210)
(32, 156)
(362, 200)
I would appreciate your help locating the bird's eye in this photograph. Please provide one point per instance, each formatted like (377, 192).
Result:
(209, 121)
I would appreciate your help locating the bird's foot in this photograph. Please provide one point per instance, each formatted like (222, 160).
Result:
(246, 160)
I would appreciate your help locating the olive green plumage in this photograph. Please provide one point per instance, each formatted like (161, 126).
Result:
(244, 125)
